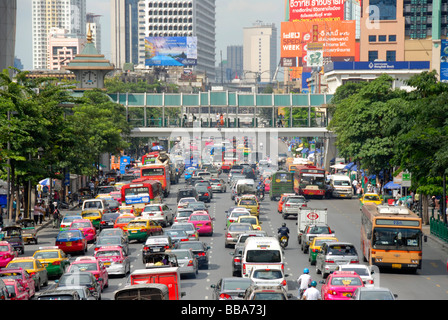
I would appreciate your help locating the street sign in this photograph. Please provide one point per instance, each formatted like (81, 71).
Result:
(406, 179)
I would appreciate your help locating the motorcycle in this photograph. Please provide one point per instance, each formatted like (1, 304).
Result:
(284, 241)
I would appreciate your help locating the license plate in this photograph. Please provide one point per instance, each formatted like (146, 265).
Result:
(107, 263)
(68, 244)
(199, 224)
(342, 195)
(134, 231)
(396, 265)
(155, 249)
(345, 294)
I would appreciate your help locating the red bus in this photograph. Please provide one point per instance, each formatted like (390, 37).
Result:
(309, 181)
(150, 158)
(159, 172)
(141, 192)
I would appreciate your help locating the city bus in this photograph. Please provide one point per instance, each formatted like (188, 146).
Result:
(150, 158)
(309, 181)
(391, 236)
(141, 192)
(159, 172)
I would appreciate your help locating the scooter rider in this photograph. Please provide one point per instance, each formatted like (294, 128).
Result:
(261, 187)
(304, 282)
(312, 293)
(283, 231)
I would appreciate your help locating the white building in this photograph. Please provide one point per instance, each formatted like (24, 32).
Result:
(48, 14)
(259, 52)
(180, 18)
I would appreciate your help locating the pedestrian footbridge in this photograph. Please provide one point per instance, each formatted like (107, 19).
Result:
(165, 114)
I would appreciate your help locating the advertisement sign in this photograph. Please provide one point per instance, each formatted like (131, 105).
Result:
(337, 39)
(171, 51)
(444, 61)
(316, 10)
(314, 58)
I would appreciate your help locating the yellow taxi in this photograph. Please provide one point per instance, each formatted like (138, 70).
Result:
(250, 202)
(53, 259)
(315, 246)
(370, 198)
(141, 228)
(33, 267)
(94, 215)
(253, 220)
(103, 196)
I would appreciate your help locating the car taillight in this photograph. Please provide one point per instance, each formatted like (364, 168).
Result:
(228, 235)
(287, 205)
(369, 282)
(329, 261)
(304, 205)
(219, 184)
(225, 296)
(332, 292)
(206, 194)
(354, 261)
(183, 239)
(201, 254)
(96, 249)
(146, 248)
(237, 259)
(97, 276)
(190, 263)
(56, 263)
(284, 283)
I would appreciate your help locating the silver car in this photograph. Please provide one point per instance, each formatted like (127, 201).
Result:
(291, 206)
(333, 254)
(373, 293)
(188, 264)
(233, 232)
(189, 229)
(218, 185)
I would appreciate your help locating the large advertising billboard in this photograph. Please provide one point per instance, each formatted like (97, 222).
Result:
(336, 37)
(171, 51)
(316, 10)
(444, 61)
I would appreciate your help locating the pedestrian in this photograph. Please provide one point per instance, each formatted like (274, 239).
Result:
(56, 215)
(35, 213)
(217, 119)
(354, 185)
(312, 293)
(184, 120)
(221, 120)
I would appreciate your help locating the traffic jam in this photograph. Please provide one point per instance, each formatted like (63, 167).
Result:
(153, 231)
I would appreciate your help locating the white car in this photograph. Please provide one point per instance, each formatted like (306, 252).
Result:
(235, 213)
(183, 203)
(269, 277)
(159, 212)
(362, 270)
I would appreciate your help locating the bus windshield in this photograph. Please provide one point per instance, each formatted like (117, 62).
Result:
(136, 191)
(312, 180)
(392, 238)
(153, 172)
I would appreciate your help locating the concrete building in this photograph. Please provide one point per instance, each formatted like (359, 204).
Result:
(260, 52)
(62, 48)
(181, 18)
(8, 9)
(234, 62)
(124, 32)
(48, 14)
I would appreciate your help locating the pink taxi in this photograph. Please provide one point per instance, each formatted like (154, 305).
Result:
(115, 261)
(202, 222)
(7, 253)
(340, 285)
(86, 227)
(92, 265)
(22, 276)
(15, 290)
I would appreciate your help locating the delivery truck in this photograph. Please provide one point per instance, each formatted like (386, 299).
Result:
(307, 216)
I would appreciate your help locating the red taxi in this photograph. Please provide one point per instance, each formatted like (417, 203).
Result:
(92, 265)
(71, 240)
(202, 222)
(86, 227)
(340, 285)
(22, 276)
(16, 290)
(7, 253)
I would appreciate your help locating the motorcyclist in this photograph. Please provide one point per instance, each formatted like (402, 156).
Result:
(283, 231)
(312, 293)
(304, 282)
(261, 187)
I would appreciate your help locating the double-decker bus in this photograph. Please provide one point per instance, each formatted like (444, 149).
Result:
(159, 172)
(391, 236)
(309, 181)
(141, 192)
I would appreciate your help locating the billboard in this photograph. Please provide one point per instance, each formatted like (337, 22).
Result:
(171, 51)
(316, 10)
(444, 61)
(336, 37)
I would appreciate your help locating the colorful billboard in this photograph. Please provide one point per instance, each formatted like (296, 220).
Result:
(316, 10)
(336, 37)
(444, 61)
(171, 51)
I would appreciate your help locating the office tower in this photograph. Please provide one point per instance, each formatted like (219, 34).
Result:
(234, 62)
(260, 52)
(124, 32)
(181, 18)
(48, 14)
(62, 48)
(352, 11)
(93, 22)
(8, 10)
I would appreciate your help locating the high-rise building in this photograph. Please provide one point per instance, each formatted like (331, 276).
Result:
(8, 10)
(94, 24)
(124, 32)
(234, 62)
(181, 18)
(48, 14)
(260, 52)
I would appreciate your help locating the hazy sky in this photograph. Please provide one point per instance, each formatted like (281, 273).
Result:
(231, 17)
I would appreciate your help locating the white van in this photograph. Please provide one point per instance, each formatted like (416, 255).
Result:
(341, 186)
(261, 253)
(94, 204)
(233, 191)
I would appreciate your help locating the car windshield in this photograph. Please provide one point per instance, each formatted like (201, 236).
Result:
(342, 183)
(376, 295)
(295, 200)
(137, 224)
(90, 266)
(346, 281)
(124, 219)
(239, 227)
(319, 243)
(199, 217)
(108, 241)
(69, 219)
(263, 256)
(182, 254)
(319, 230)
(90, 214)
(4, 248)
(342, 250)
(107, 253)
(116, 232)
(371, 198)
(185, 227)
(92, 204)
(359, 271)
(46, 255)
(242, 284)
(184, 214)
(267, 274)
(247, 202)
(176, 233)
(70, 279)
(269, 296)
(80, 225)
(191, 245)
(67, 235)
(11, 275)
(248, 220)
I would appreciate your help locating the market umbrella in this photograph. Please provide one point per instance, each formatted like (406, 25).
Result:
(351, 164)
(391, 185)
(157, 148)
(45, 182)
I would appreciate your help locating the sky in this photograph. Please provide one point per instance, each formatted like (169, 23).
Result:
(231, 17)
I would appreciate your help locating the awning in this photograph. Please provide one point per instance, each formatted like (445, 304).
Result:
(392, 185)
(349, 166)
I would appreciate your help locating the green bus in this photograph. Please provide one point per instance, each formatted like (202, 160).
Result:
(281, 182)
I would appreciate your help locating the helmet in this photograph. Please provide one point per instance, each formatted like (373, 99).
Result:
(283, 224)
(306, 270)
(313, 283)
